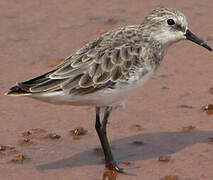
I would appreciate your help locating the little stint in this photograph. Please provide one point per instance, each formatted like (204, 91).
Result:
(106, 71)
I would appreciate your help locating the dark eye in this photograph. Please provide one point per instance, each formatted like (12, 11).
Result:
(170, 22)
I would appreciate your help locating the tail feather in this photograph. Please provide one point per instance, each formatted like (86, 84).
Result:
(17, 91)
(24, 88)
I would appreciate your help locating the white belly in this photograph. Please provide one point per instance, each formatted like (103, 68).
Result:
(106, 97)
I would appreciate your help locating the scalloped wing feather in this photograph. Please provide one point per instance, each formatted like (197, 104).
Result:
(95, 66)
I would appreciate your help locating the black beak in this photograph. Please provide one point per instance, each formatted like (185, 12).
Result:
(190, 36)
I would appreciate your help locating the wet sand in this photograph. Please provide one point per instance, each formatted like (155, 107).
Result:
(34, 34)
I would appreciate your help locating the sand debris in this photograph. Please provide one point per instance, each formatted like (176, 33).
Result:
(164, 158)
(208, 109)
(136, 127)
(18, 159)
(32, 132)
(7, 150)
(38, 130)
(25, 142)
(110, 175)
(78, 132)
(36, 133)
(2, 148)
(189, 128)
(171, 177)
(26, 133)
(54, 136)
(164, 88)
(211, 90)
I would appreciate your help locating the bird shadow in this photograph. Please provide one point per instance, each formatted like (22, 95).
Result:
(153, 146)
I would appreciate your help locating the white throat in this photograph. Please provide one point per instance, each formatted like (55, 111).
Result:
(168, 38)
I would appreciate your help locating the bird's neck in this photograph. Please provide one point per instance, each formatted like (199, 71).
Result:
(156, 51)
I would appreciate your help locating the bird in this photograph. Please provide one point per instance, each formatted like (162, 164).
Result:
(105, 72)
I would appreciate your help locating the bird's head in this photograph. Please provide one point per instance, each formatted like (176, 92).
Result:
(168, 26)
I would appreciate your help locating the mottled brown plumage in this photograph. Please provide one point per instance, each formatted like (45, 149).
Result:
(98, 63)
(116, 58)
(105, 72)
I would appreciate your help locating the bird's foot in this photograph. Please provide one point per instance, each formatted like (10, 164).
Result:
(114, 166)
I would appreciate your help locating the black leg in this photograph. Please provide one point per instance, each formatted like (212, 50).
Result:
(101, 131)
